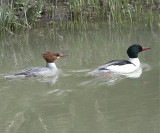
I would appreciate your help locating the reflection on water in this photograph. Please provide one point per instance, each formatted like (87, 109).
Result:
(71, 101)
(110, 78)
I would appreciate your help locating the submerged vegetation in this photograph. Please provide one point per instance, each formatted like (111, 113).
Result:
(73, 14)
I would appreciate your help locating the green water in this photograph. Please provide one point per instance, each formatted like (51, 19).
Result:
(72, 102)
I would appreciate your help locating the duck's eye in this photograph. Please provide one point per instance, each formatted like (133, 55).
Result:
(57, 54)
(140, 48)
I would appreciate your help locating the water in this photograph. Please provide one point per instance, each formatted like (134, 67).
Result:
(72, 102)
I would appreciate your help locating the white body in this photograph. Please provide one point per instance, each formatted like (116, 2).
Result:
(49, 70)
(126, 68)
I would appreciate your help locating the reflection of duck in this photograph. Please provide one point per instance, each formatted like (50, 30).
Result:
(49, 70)
(114, 78)
(123, 66)
(136, 74)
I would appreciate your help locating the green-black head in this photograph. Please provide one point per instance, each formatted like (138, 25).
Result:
(134, 50)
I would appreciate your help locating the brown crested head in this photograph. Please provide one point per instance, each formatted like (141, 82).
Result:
(50, 56)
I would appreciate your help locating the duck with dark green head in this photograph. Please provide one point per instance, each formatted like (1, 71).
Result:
(123, 66)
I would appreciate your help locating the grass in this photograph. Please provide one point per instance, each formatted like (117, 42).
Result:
(19, 14)
(25, 14)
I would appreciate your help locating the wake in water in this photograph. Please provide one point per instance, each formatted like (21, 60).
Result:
(111, 78)
(52, 79)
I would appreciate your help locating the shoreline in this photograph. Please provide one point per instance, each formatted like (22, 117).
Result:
(72, 14)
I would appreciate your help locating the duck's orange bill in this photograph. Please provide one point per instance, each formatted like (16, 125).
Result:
(62, 55)
(145, 48)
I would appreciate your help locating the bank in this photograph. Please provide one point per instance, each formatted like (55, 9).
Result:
(16, 15)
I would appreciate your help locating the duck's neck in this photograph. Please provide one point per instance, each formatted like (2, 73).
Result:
(51, 65)
(135, 61)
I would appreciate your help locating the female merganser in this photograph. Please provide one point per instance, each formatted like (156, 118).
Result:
(49, 70)
(123, 66)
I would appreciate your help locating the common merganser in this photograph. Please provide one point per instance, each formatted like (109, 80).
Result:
(123, 66)
(49, 70)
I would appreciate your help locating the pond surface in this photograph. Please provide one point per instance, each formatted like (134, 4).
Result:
(71, 101)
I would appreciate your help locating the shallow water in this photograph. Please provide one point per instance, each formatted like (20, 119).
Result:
(71, 101)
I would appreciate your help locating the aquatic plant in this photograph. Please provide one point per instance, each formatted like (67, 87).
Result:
(116, 11)
(77, 14)
(19, 14)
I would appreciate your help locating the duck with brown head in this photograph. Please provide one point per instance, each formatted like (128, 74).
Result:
(49, 70)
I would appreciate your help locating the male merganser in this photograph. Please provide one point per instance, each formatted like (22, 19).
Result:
(49, 70)
(123, 66)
